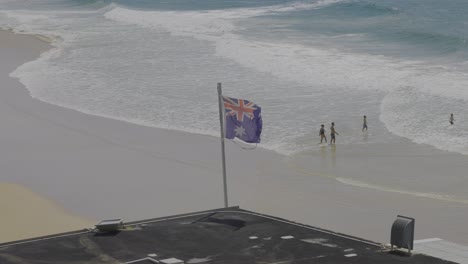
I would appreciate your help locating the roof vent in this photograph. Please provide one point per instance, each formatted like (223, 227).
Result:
(402, 235)
(111, 225)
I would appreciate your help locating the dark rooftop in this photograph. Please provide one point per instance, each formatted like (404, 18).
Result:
(229, 235)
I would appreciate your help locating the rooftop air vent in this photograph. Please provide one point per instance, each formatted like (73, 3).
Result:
(111, 225)
(402, 235)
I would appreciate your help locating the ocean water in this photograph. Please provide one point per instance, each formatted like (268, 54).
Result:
(403, 63)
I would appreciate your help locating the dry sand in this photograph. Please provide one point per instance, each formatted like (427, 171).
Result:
(99, 168)
(26, 215)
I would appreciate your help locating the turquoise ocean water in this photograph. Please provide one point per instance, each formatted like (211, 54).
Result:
(404, 64)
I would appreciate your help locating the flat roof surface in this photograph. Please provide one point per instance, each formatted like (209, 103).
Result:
(438, 247)
(230, 235)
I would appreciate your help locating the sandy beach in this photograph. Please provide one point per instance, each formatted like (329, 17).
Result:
(65, 170)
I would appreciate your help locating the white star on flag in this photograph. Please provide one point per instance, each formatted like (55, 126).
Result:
(240, 131)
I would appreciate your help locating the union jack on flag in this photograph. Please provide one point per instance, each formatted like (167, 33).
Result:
(243, 119)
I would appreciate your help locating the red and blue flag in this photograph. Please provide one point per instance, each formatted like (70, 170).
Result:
(243, 120)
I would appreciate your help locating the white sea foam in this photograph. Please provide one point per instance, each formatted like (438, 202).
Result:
(202, 24)
(423, 118)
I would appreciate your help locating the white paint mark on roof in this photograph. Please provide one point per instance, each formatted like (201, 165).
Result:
(319, 241)
(143, 259)
(253, 237)
(172, 261)
(199, 260)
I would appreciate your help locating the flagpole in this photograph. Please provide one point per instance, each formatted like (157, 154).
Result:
(221, 121)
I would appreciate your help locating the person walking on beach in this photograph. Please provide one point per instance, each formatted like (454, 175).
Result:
(364, 124)
(332, 133)
(451, 119)
(322, 134)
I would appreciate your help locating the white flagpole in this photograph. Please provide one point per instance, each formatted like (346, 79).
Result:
(221, 121)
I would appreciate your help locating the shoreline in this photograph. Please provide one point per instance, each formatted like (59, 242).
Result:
(101, 168)
(43, 38)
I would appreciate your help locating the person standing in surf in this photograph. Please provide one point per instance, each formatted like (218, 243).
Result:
(332, 133)
(364, 124)
(322, 134)
(451, 119)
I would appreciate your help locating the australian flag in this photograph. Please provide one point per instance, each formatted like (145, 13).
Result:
(243, 120)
